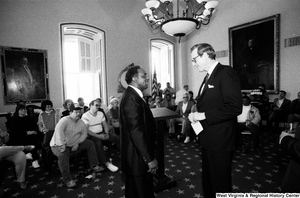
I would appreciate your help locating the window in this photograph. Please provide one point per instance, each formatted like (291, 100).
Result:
(84, 71)
(162, 61)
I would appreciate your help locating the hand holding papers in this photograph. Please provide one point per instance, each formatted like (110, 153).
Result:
(194, 118)
(191, 117)
(197, 127)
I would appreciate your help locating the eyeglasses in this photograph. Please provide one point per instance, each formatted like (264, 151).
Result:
(194, 59)
(97, 105)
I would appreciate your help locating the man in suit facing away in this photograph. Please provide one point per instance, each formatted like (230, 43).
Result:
(138, 137)
(219, 102)
(290, 143)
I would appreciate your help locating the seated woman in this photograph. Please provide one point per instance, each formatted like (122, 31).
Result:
(15, 155)
(46, 123)
(113, 114)
(23, 131)
(66, 106)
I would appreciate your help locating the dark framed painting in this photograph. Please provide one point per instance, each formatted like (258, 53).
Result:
(24, 74)
(254, 53)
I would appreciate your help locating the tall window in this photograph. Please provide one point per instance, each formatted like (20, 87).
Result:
(84, 69)
(162, 61)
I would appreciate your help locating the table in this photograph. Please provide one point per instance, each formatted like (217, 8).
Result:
(161, 180)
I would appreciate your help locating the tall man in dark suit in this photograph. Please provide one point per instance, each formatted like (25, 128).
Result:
(138, 136)
(219, 103)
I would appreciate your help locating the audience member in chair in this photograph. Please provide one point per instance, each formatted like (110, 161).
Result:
(113, 114)
(183, 109)
(15, 155)
(98, 132)
(249, 120)
(23, 131)
(191, 96)
(279, 109)
(159, 90)
(111, 130)
(157, 103)
(69, 136)
(180, 93)
(169, 90)
(67, 104)
(47, 122)
(260, 98)
(294, 115)
(168, 101)
(80, 101)
(290, 143)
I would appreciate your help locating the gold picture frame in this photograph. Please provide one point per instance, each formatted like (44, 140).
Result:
(24, 74)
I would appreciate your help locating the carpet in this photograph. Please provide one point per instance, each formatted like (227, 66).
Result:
(250, 173)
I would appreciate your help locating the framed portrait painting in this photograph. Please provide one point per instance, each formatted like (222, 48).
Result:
(24, 74)
(254, 53)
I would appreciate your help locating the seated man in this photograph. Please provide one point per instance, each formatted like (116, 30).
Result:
(15, 155)
(169, 90)
(294, 115)
(69, 136)
(168, 101)
(248, 120)
(183, 109)
(113, 114)
(290, 143)
(97, 132)
(280, 109)
(180, 93)
(103, 108)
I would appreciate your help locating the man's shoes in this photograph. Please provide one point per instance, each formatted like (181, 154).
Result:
(111, 167)
(71, 184)
(28, 148)
(180, 138)
(28, 156)
(187, 140)
(98, 169)
(23, 185)
(258, 151)
(35, 164)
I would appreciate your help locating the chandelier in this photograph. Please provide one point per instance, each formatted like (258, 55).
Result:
(190, 15)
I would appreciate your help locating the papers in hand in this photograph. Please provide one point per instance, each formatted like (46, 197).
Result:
(197, 127)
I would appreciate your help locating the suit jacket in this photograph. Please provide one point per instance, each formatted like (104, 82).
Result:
(221, 100)
(281, 113)
(187, 111)
(138, 134)
(291, 179)
(285, 106)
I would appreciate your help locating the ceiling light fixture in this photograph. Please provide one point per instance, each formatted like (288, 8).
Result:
(190, 15)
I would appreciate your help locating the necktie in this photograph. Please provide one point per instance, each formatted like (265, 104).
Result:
(203, 84)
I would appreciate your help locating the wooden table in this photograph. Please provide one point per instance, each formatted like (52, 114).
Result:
(161, 180)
